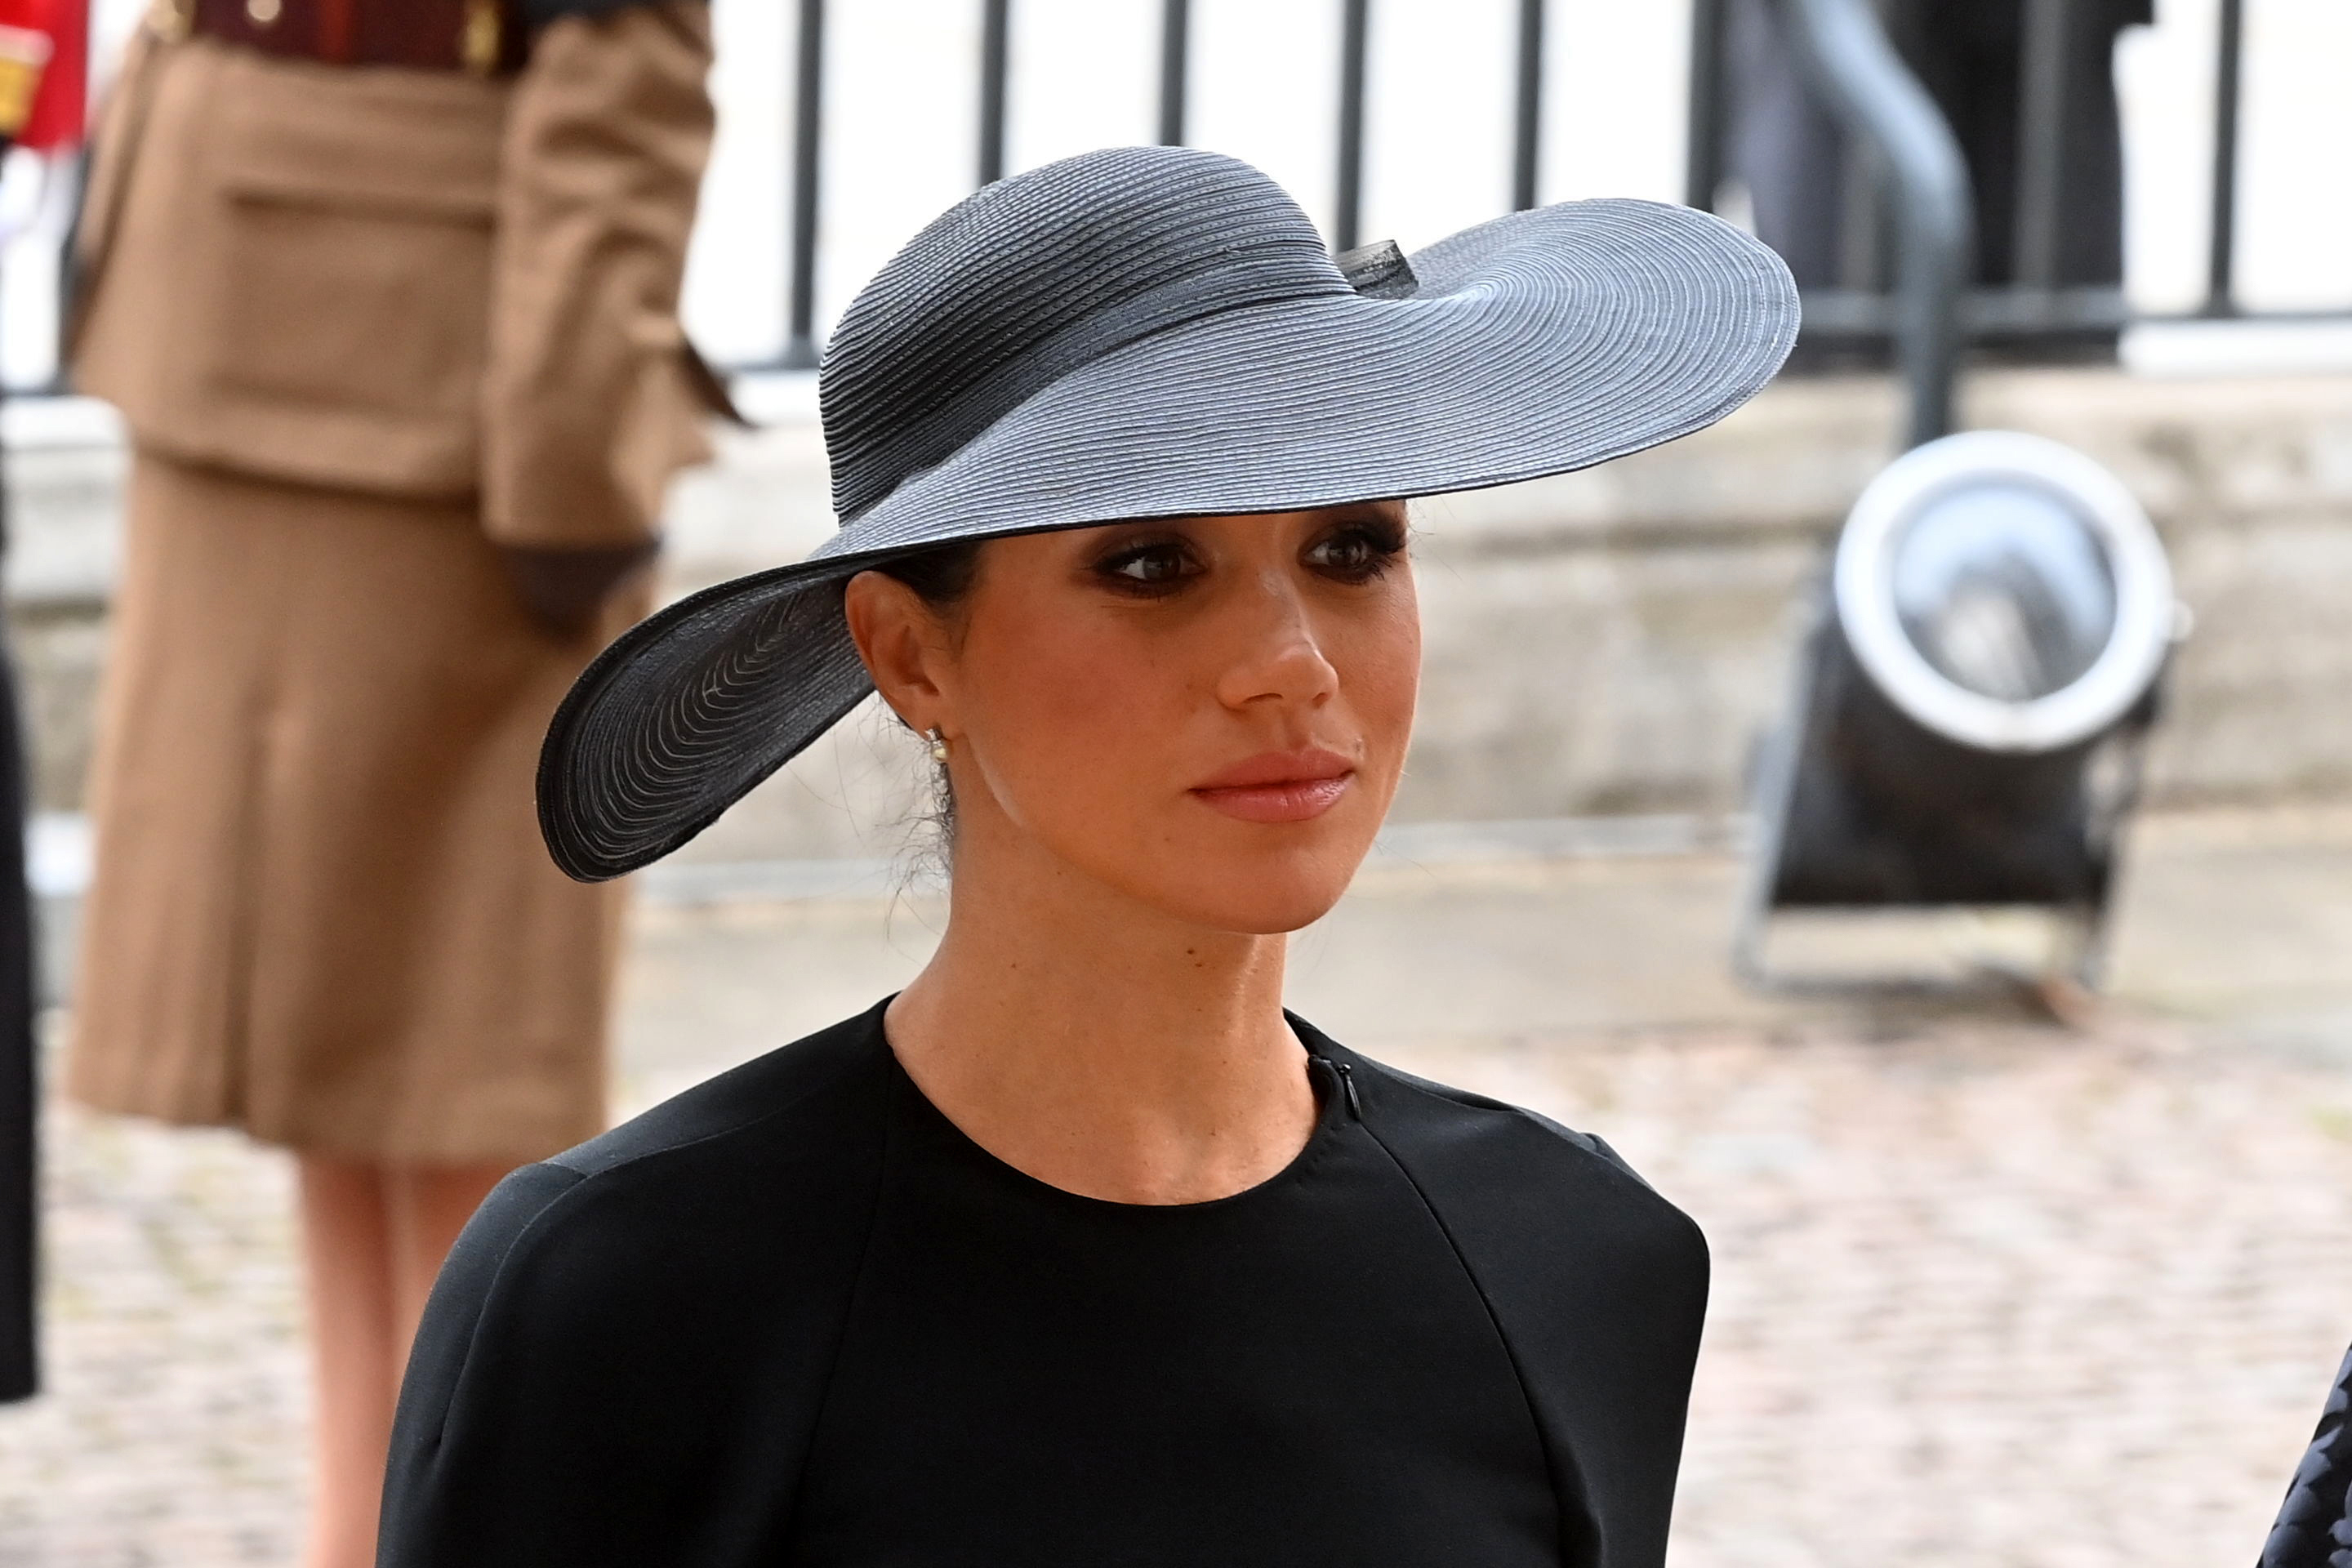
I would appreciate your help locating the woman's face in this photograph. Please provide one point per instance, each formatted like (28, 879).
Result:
(1209, 714)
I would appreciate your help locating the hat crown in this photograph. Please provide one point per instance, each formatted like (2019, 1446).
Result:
(1030, 276)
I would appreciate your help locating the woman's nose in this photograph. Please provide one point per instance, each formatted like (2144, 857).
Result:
(1279, 656)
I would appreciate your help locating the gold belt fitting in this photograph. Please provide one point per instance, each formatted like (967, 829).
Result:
(485, 27)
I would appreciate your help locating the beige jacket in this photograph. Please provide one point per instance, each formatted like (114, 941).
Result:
(410, 283)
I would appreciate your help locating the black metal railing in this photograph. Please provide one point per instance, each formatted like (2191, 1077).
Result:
(802, 348)
(995, 68)
(2228, 82)
(808, 136)
(2034, 302)
(1884, 296)
(1904, 240)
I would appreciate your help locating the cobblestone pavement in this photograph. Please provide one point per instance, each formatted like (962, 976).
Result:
(1989, 1291)
(170, 1433)
(1984, 1295)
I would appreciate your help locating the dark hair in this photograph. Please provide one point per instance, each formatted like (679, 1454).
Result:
(943, 578)
(942, 575)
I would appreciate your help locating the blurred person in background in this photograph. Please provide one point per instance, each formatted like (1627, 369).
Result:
(387, 293)
(1782, 144)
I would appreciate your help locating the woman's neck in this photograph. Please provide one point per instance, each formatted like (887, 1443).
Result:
(1103, 1046)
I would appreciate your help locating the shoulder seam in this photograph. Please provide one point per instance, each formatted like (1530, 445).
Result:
(1560, 1461)
(849, 1296)
(1588, 1142)
(1469, 1101)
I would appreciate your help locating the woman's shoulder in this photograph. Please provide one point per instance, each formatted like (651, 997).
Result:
(766, 1170)
(1527, 1138)
(615, 1322)
(1493, 1165)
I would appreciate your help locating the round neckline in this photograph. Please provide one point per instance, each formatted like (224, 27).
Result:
(1330, 1117)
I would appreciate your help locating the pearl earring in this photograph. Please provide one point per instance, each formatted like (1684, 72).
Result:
(938, 746)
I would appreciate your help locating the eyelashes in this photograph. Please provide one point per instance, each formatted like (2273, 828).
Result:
(1358, 550)
(1349, 558)
(1352, 551)
(1149, 571)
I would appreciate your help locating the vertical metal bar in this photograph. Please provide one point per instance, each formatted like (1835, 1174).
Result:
(808, 127)
(1175, 69)
(69, 281)
(995, 62)
(1702, 152)
(1527, 148)
(1355, 30)
(2222, 255)
(2041, 142)
(1861, 239)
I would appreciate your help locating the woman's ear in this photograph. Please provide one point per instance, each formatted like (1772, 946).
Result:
(903, 644)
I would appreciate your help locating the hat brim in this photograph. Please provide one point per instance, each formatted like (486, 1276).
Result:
(1537, 344)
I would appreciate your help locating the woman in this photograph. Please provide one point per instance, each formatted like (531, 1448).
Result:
(386, 292)
(1080, 1250)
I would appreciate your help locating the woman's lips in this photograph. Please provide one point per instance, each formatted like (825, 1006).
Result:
(1280, 787)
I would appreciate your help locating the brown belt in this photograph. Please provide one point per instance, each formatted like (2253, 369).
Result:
(483, 36)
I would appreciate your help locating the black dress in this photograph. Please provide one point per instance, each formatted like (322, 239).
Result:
(795, 1317)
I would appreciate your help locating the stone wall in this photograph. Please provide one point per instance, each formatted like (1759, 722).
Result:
(1605, 642)
(65, 472)
(1610, 640)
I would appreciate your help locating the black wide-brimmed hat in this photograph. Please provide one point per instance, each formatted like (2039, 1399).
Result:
(1157, 331)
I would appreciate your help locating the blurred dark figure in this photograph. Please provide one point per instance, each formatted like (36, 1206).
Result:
(1781, 143)
(19, 1369)
(1801, 175)
(43, 49)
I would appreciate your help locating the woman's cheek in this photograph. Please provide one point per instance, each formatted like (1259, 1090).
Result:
(1082, 714)
(1088, 682)
(1381, 676)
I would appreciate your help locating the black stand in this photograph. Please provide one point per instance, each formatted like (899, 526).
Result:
(1857, 808)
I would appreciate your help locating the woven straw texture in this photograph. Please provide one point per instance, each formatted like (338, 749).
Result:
(1156, 333)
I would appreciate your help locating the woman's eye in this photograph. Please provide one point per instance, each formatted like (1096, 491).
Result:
(1150, 566)
(1351, 553)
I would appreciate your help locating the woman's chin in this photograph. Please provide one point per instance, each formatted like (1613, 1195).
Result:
(1218, 873)
(1266, 891)
(1268, 912)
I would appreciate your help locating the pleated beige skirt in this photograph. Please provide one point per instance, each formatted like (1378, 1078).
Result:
(321, 911)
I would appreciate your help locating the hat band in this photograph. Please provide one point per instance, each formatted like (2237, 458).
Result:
(929, 439)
